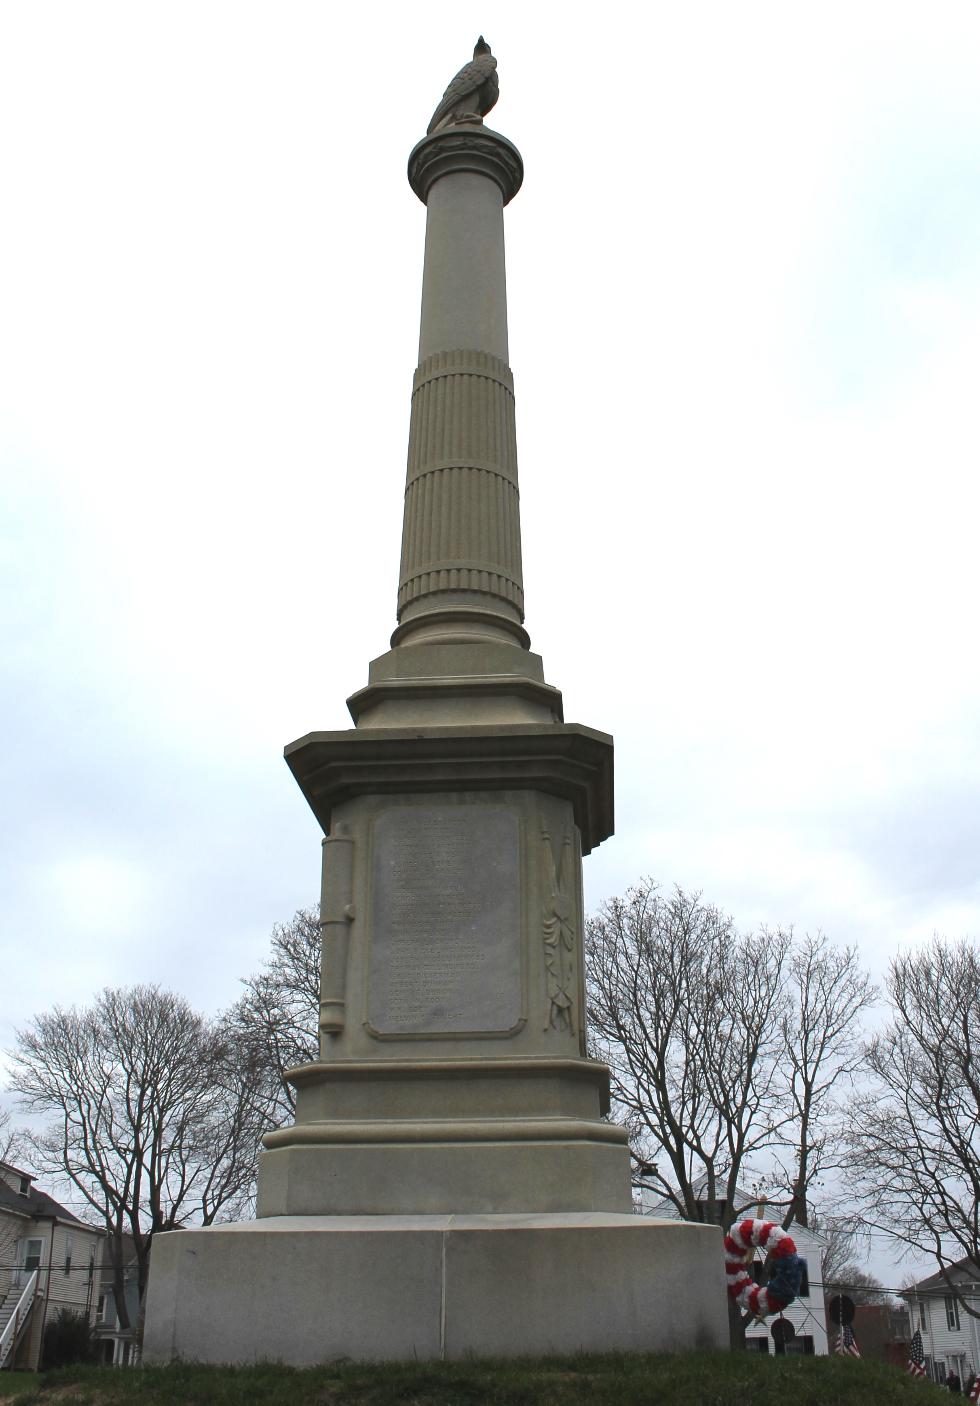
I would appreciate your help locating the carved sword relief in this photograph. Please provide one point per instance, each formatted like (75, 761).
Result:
(558, 926)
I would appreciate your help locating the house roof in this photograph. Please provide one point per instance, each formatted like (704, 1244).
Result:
(17, 1171)
(964, 1271)
(36, 1204)
(749, 1201)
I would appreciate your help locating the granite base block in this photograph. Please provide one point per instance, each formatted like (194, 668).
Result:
(311, 1289)
(474, 1178)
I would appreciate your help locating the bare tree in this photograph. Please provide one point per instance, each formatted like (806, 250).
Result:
(846, 1239)
(842, 1235)
(275, 1023)
(822, 1051)
(10, 1146)
(915, 1136)
(858, 1285)
(726, 1052)
(7, 1138)
(145, 1121)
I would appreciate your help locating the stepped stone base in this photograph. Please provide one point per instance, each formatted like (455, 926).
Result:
(311, 1289)
(477, 1178)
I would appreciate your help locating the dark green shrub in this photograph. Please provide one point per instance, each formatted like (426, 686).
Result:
(67, 1340)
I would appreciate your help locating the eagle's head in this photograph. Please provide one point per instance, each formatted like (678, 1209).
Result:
(481, 47)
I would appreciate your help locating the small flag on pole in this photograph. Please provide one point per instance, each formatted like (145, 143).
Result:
(975, 1391)
(847, 1342)
(917, 1357)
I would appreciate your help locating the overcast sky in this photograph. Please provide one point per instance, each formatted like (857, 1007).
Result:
(744, 282)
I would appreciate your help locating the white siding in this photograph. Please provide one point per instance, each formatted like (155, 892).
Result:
(63, 1290)
(806, 1314)
(74, 1290)
(14, 1177)
(27, 1230)
(12, 1229)
(958, 1348)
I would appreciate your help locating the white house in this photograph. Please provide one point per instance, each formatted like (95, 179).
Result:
(48, 1262)
(806, 1313)
(118, 1346)
(950, 1335)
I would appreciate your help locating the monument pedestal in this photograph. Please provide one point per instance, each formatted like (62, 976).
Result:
(441, 1136)
(313, 1289)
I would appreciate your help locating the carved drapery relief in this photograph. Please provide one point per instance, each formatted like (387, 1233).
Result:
(558, 928)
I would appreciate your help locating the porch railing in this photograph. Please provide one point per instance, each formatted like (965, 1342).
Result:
(23, 1306)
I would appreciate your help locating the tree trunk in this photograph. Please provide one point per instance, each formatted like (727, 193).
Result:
(736, 1326)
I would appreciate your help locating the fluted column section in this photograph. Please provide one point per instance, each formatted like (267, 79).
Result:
(462, 533)
(461, 538)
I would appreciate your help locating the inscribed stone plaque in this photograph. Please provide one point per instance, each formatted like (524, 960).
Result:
(446, 925)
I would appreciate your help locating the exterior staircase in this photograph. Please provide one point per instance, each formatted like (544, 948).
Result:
(15, 1314)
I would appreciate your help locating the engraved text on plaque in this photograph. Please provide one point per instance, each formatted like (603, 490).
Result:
(445, 941)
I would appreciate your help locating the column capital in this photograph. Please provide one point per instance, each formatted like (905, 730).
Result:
(466, 146)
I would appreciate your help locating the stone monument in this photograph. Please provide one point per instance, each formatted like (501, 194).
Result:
(450, 1185)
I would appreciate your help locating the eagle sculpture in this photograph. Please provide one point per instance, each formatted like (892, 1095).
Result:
(472, 93)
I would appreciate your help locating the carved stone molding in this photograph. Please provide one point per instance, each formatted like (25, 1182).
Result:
(561, 759)
(448, 1130)
(465, 147)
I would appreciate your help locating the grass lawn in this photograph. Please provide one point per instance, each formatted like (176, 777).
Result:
(695, 1379)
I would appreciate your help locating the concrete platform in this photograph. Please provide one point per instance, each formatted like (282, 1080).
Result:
(311, 1289)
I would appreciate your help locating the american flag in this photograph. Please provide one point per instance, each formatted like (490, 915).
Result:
(847, 1343)
(917, 1356)
(975, 1392)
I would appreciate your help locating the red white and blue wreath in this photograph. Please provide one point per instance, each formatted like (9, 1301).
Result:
(787, 1267)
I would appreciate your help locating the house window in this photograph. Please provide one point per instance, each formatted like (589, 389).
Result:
(25, 1186)
(804, 1291)
(923, 1320)
(27, 1258)
(68, 1247)
(800, 1346)
(952, 1314)
(756, 1344)
(91, 1265)
(100, 1309)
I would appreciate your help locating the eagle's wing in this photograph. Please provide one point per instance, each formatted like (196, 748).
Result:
(469, 78)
